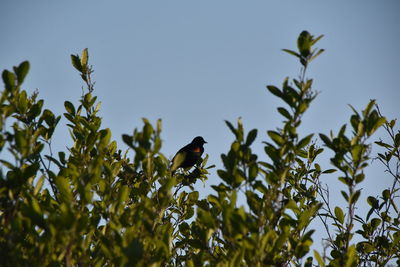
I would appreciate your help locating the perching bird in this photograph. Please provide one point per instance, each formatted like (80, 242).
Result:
(188, 155)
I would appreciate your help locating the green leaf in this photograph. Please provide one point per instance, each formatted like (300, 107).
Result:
(127, 140)
(315, 40)
(284, 113)
(189, 213)
(373, 202)
(352, 256)
(272, 152)
(64, 188)
(105, 137)
(31, 170)
(292, 205)
(36, 206)
(158, 126)
(251, 137)
(147, 131)
(339, 214)
(329, 171)
(22, 102)
(48, 117)
(386, 194)
(275, 91)
(356, 152)
(359, 178)
(276, 137)
(382, 144)
(76, 62)
(39, 185)
(304, 219)
(375, 223)
(205, 218)
(61, 155)
(326, 140)
(35, 109)
(369, 107)
(305, 141)
(225, 176)
(22, 71)
(304, 43)
(302, 107)
(69, 107)
(320, 51)
(319, 259)
(84, 58)
(253, 171)
(378, 123)
(123, 194)
(134, 252)
(291, 52)
(354, 197)
(21, 142)
(345, 195)
(9, 79)
(238, 178)
(230, 126)
(192, 197)
(346, 180)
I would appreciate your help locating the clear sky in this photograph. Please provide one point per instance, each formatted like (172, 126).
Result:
(197, 63)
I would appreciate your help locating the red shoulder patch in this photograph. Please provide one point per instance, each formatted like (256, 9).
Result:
(197, 149)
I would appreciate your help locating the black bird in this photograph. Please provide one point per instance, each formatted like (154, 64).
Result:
(188, 155)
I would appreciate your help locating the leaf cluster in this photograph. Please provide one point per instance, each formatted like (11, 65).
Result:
(96, 205)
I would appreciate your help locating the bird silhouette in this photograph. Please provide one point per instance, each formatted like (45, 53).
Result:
(188, 155)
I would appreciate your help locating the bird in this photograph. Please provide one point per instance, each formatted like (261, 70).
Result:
(188, 155)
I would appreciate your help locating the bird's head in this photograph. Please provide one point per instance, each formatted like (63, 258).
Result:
(199, 141)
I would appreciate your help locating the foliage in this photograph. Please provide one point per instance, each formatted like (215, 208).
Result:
(94, 205)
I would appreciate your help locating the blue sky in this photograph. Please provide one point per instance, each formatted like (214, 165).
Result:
(197, 63)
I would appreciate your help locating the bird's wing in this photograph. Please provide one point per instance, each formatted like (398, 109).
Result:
(178, 160)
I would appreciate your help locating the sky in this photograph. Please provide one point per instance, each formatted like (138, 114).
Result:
(195, 64)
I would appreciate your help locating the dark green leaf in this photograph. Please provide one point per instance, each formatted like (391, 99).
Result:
(69, 107)
(291, 52)
(339, 214)
(369, 107)
(329, 171)
(354, 197)
(272, 152)
(9, 79)
(22, 71)
(315, 40)
(275, 91)
(276, 137)
(382, 144)
(375, 223)
(230, 126)
(251, 137)
(320, 51)
(304, 43)
(345, 195)
(64, 188)
(386, 194)
(76, 62)
(192, 197)
(127, 139)
(373, 202)
(305, 141)
(326, 140)
(284, 113)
